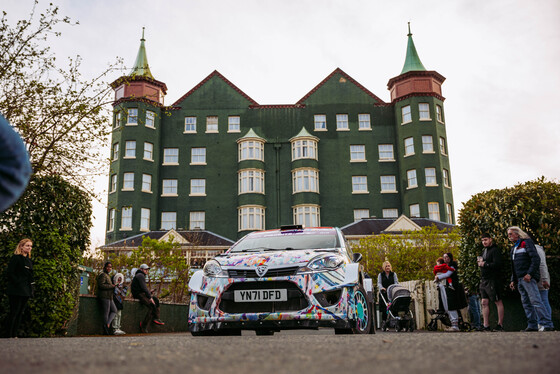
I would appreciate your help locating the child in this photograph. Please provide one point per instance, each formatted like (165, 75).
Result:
(440, 268)
(118, 297)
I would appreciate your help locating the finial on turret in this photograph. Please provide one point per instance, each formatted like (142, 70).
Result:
(145, 39)
(409, 33)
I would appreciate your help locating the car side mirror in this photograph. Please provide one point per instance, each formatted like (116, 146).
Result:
(356, 257)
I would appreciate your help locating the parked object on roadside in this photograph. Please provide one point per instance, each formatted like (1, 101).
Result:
(20, 285)
(490, 264)
(118, 298)
(399, 315)
(385, 279)
(105, 291)
(544, 284)
(141, 292)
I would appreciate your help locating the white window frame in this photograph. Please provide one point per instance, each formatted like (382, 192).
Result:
(359, 182)
(414, 210)
(168, 220)
(118, 118)
(308, 215)
(431, 177)
(190, 125)
(442, 148)
(383, 152)
(364, 122)
(197, 220)
(433, 211)
(409, 148)
(304, 149)
(358, 153)
(449, 214)
(251, 150)
(446, 182)
(234, 124)
(170, 155)
(147, 183)
(114, 181)
(305, 180)
(412, 178)
(132, 117)
(115, 151)
(198, 156)
(130, 149)
(111, 221)
(342, 122)
(212, 124)
(250, 181)
(424, 112)
(128, 182)
(148, 151)
(390, 213)
(361, 214)
(126, 218)
(406, 114)
(150, 119)
(388, 183)
(169, 187)
(250, 217)
(439, 113)
(144, 219)
(427, 144)
(197, 187)
(320, 122)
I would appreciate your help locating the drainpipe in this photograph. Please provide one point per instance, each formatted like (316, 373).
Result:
(277, 147)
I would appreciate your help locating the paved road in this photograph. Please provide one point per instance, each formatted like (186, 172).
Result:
(291, 352)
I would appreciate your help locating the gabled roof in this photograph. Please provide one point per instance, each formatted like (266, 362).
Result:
(347, 77)
(215, 73)
(376, 226)
(198, 238)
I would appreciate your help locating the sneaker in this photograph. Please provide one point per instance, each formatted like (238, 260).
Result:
(498, 328)
(485, 329)
(547, 329)
(119, 332)
(452, 329)
(143, 329)
(158, 322)
(529, 329)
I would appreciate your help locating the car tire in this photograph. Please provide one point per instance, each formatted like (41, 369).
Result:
(363, 312)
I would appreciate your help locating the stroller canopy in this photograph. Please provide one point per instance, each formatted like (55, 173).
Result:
(396, 290)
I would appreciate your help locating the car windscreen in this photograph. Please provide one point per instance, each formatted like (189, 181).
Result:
(287, 241)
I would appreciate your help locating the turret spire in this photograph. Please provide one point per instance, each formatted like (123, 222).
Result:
(412, 61)
(141, 67)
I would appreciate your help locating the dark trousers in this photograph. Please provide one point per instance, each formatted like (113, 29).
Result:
(153, 309)
(17, 308)
(382, 305)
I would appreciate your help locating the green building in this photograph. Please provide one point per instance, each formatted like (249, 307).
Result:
(217, 160)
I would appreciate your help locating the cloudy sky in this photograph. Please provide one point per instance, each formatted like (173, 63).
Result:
(501, 59)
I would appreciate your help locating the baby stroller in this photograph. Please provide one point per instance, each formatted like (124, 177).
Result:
(441, 315)
(399, 315)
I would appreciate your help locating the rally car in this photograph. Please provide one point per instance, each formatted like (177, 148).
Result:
(288, 278)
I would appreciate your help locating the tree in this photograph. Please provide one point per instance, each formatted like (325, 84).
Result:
(412, 254)
(60, 115)
(534, 206)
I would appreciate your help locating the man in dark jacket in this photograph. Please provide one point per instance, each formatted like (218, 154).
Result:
(141, 292)
(490, 264)
(525, 274)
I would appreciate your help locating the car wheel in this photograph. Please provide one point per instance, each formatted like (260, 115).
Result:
(363, 312)
(262, 332)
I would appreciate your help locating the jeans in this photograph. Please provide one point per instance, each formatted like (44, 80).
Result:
(117, 320)
(474, 311)
(544, 299)
(532, 304)
(108, 309)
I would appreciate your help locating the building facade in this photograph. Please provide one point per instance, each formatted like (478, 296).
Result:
(217, 160)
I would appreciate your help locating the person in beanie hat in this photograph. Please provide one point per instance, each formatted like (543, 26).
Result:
(141, 292)
(105, 289)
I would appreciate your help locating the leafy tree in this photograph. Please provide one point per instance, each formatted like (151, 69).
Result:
(58, 112)
(534, 206)
(412, 254)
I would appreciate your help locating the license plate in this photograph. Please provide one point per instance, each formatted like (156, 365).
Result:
(248, 296)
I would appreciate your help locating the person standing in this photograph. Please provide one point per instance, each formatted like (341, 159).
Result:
(105, 290)
(20, 285)
(525, 262)
(386, 278)
(544, 284)
(490, 264)
(118, 298)
(141, 292)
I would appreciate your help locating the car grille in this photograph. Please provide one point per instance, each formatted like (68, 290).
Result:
(296, 299)
(250, 273)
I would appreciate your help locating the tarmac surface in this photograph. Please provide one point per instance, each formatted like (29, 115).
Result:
(302, 351)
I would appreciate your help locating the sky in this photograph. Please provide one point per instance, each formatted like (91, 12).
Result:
(501, 60)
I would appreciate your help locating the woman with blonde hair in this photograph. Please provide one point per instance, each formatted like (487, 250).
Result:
(386, 278)
(20, 281)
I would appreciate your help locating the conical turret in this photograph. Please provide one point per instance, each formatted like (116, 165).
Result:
(412, 61)
(141, 66)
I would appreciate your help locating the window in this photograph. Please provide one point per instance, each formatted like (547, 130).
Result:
(307, 216)
(409, 146)
(169, 187)
(198, 187)
(341, 122)
(406, 114)
(357, 153)
(145, 219)
(320, 122)
(414, 210)
(424, 111)
(168, 220)
(442, 146)
(386, 152)
(359, 184)
(126, 218)
(150, 119)
(305, 180)
(128, 182)
(427, 144)
(113, 183)
(115, 151)
(196, 220)
(430, 176)
(132, 118)
(190, 124)
(146, 183)
(130, 149)
(390, 213)
(198, 156)
(111, 220)
(212, 124)
(304, 149)
(251, 150)
(251, 218)
(439, 113)
(388, 183)
(433, 211)
(446, 178)
(234, 124)
(364, 121)
(148, 151)
(170, 156)
(411, 177)
(449, 213)
(360, 214)
(251, 181)
(117, 123)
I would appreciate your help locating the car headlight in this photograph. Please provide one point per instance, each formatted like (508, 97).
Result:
(212, 268)
(329, 262)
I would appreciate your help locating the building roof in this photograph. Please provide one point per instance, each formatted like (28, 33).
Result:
(141, 67)
(412, 61)
(199, 238)
(376, 226)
